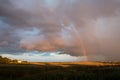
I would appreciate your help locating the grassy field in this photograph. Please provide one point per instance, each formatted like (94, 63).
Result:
(61, 71)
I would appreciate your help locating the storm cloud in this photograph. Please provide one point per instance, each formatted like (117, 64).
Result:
(78, 27)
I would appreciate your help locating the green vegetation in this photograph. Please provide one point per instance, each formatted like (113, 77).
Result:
(5, 60)
(58, 71)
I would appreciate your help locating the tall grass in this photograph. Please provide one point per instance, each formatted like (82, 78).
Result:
(56, 72)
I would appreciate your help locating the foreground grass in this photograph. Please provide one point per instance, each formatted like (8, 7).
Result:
(61, 71)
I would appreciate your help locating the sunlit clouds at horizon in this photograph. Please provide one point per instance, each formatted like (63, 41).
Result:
(36, 56)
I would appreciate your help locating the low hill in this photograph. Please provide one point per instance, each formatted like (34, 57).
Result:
(65, 64)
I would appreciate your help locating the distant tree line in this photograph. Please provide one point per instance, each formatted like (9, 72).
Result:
(5, 60)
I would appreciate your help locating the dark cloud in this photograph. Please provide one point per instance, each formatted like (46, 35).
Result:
(79, 27)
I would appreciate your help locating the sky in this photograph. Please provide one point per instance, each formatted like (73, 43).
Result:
(60, 30)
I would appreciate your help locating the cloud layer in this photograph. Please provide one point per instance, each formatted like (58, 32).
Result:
(79, 27)
(36, 56)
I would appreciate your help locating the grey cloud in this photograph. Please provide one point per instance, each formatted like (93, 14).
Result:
(79, 27)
